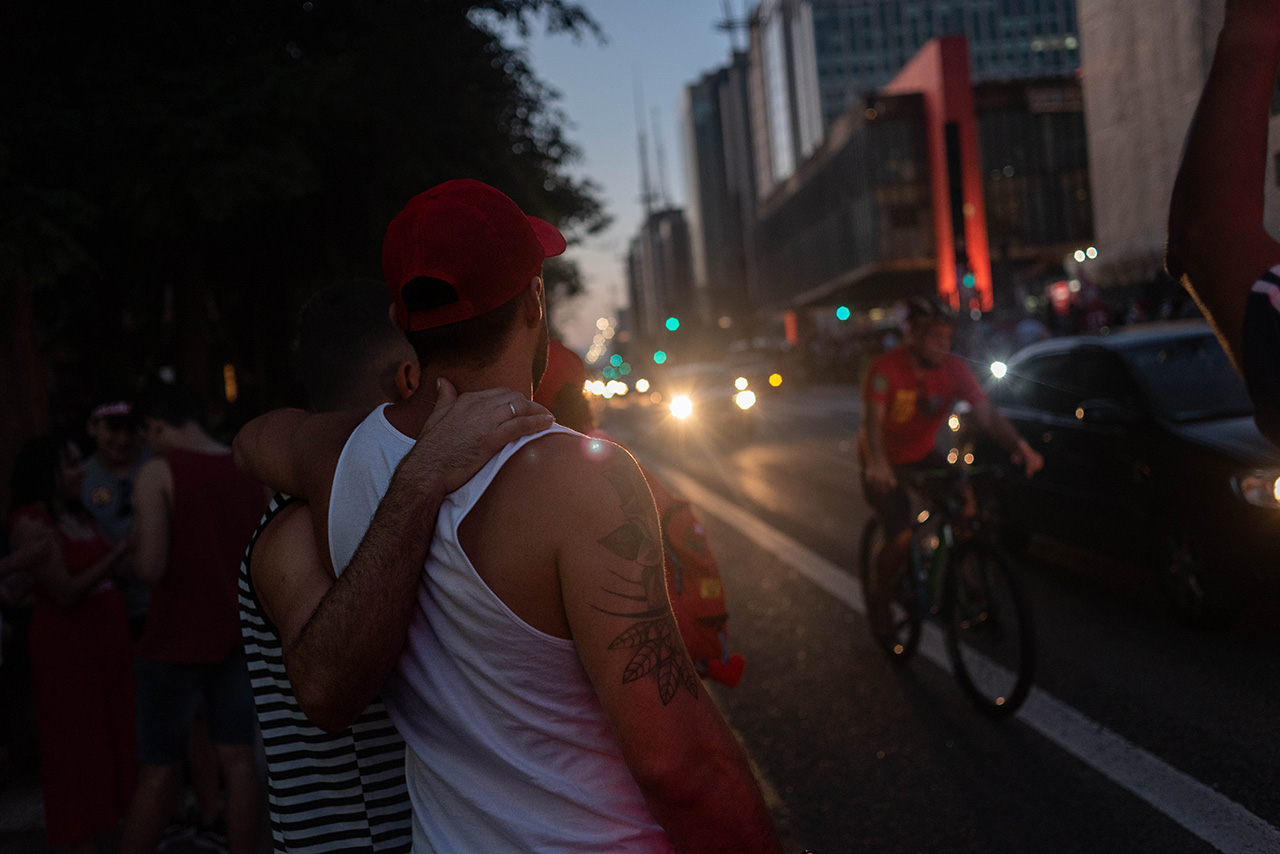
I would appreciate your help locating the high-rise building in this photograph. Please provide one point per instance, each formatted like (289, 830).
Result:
(659, 272)
(819, 58)
(861, 44)
(721, 192)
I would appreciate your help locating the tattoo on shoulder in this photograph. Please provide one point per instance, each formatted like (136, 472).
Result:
(653, 635)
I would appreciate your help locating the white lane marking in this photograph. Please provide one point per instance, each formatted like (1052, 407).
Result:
(1211, 816)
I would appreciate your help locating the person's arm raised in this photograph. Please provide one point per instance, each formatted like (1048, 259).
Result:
(1217, 245)
(279, 449)
(693, 773)
(335, 661)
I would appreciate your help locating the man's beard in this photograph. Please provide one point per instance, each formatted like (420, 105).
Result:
(540, 356)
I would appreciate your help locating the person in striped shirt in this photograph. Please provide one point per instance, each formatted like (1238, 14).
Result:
(339, 785)
(1218, 246)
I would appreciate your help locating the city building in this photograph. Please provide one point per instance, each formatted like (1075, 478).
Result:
(721, 190)
(973, 191)
(659, 275)
(814, 59)
(1145, 63)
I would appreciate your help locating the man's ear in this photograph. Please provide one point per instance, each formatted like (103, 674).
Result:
(408, 376)
(533, 301)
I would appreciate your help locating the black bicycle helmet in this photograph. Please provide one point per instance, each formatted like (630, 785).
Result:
(928, 309)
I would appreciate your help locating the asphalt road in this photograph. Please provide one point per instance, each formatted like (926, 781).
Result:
(1143, 734)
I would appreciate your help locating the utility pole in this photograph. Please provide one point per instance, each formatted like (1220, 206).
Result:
(661, 154)
(646, 186)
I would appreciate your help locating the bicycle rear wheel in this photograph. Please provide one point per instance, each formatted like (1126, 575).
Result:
(990, 638)
(896, 632)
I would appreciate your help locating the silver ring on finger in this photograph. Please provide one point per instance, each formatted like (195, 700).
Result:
(512, 406)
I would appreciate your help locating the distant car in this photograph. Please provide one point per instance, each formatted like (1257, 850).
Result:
(1151, 455)
(708, 399)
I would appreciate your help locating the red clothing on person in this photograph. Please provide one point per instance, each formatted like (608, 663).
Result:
(916, 402)
(194, 617)
(82, 670)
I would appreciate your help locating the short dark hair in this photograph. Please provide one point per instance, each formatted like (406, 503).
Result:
(923, 312)
(475, 342)
(345, 343)
(173, 404)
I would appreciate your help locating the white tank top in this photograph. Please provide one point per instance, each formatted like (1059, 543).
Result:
(509, 747)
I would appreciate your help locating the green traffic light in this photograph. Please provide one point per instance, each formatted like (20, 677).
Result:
(615, 359)
(659, 357)
(969, 280)
(673, 323)
(842, 313)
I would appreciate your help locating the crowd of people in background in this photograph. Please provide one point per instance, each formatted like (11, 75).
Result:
(121, 575)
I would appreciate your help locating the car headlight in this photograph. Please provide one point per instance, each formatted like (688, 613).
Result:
(1259, 488)
(681, 406)
(745, 399)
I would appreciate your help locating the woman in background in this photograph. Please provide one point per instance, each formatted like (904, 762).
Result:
(81, 656)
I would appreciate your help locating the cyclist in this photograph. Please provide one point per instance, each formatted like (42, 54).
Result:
(908, 393)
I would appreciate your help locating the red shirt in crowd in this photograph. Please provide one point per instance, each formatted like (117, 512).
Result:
(916, 402)
(194, 616)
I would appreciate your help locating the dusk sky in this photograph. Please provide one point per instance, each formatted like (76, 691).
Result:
(667, 44)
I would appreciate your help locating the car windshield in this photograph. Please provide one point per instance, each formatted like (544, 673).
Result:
(1190, 379)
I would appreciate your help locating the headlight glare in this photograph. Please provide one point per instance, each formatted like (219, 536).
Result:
(1259, 488)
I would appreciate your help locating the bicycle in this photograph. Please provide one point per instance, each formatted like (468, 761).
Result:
(957, 574)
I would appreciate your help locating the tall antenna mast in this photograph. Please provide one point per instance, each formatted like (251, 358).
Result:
(661, 154)
(646, 188)
(731, 25)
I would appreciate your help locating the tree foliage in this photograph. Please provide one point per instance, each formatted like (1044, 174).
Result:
(175, 177)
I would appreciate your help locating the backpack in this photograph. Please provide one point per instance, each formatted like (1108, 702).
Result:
(695, 588)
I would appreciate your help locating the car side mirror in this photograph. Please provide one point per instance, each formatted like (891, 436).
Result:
(1105, 411)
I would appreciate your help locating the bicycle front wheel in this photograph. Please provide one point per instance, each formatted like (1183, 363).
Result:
(990, 638)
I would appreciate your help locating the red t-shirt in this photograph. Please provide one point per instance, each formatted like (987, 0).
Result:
(194, 616)
(916, 403)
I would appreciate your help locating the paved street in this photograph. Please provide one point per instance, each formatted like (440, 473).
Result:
(1142, 734)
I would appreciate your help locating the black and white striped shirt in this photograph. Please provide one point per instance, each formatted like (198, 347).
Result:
(326, 792)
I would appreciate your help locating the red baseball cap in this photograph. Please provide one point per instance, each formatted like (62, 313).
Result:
(472, 236)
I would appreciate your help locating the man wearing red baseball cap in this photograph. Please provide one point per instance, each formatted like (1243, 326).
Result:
(543, 691)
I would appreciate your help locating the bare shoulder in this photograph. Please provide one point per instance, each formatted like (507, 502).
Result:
(287, 534)
(288, 574)
(155, 476)
(575, 473)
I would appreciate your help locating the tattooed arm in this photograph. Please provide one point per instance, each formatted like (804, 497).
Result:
(691, 769)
